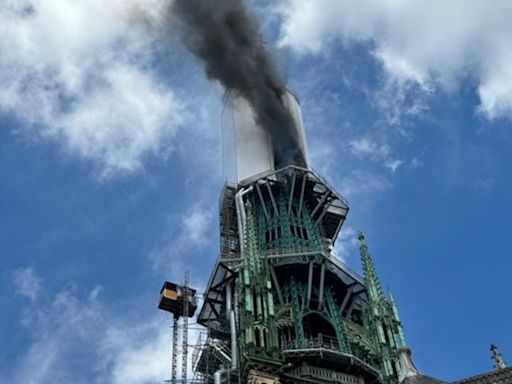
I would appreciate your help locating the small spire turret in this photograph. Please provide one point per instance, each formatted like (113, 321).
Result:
(370, 276)
(382, 317)
(400, 337)
(499, 363)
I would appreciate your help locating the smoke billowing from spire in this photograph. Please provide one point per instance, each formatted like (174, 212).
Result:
(226, 37)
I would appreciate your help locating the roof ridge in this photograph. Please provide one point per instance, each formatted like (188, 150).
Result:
(505, 372)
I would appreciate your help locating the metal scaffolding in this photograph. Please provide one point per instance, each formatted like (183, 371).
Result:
(174, 360)
(279, 308)
(181, 302)
(184, 348)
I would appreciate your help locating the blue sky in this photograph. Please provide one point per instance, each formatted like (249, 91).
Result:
(110, 172)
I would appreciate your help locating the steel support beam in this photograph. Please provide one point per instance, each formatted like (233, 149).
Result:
(304, 178)
(321, 293)
(321, 202)
(346, 298)
(310, 283)
(324, 211)
(292, 191)
(272, 198)
(351, 307)
(212, 307)
(276, 285)
(262, 201)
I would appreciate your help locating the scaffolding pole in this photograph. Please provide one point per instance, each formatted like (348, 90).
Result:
(184, 362)
(174, 362)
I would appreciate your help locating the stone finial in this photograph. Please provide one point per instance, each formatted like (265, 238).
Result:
(407, 368)
(499, 363)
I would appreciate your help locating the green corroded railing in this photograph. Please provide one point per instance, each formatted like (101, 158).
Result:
(318, 342)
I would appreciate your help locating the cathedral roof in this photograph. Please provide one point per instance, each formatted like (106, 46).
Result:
(500, 376)
(422, 379)
(409, 374)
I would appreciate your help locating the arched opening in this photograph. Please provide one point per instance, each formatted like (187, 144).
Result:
(315, 325)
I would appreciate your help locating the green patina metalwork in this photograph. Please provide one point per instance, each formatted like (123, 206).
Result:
(339, 326)
(300, 314)
(295, 293)
(381, 318)
(296, 301)
(259, 328)
(268, 326)
(285, 230)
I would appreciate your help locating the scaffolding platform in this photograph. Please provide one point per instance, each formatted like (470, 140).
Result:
(177, 299)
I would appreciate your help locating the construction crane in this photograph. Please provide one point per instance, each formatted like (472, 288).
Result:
(181, 302)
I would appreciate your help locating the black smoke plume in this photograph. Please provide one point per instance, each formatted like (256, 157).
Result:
(227, 39)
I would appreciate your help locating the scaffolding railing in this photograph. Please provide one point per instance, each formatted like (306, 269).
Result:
(323, 343)
(304, 254)
(209, 355)
(198, 348)
(320, 341)
(325, 375)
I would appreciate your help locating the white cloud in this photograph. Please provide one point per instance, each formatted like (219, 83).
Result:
(398, 99)
(66, 328)
(74, 337)
(136, 354)
(393, 165)
(425, 43)
(26, 282)
(195, 224)
(346, 244)
(365, 147)
(79, 72)
(356, 182)
(359, 183)
(185, 232)
(141, 353)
